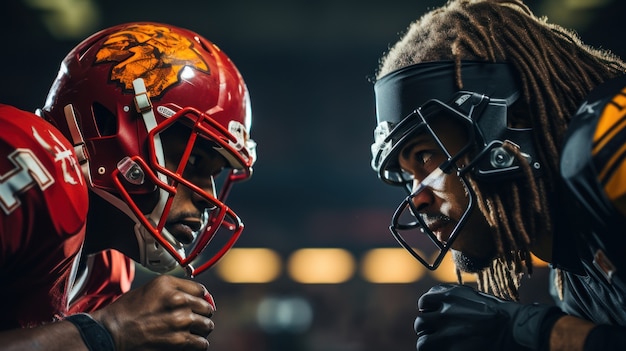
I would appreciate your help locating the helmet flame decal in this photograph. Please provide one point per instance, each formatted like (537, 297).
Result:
(151, 57)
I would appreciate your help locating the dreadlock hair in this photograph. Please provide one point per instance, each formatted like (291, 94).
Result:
(556, 70)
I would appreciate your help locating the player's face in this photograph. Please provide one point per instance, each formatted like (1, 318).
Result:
(442, 202)
(190, 210)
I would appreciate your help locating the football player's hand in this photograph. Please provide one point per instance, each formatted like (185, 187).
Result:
(168, 313)
(457, 317)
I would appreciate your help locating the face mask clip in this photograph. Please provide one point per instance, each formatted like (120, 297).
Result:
(131, 171)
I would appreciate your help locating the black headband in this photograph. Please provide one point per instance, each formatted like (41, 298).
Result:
(402, 91)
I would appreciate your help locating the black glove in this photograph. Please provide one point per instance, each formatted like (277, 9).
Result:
(457, 317)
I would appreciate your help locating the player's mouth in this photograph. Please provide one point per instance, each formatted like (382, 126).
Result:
(185, 230)
(440, 226)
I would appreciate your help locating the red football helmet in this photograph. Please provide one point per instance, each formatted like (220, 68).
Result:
(117, 97)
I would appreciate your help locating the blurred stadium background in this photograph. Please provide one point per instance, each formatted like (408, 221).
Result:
(316, 268)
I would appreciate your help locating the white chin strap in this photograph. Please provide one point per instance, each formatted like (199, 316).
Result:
(152, 254)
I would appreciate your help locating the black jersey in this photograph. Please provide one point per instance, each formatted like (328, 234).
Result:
(589, 248)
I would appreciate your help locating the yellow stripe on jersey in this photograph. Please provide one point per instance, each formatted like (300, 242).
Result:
(612, 113)
(612, 171)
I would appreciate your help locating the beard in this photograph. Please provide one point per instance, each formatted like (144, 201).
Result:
(470, 264)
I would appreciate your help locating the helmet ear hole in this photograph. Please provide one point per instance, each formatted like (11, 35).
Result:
(106, 122)
(517, 115)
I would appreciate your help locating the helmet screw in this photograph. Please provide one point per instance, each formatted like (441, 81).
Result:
(501, 158)
(126, 108)
(135, 174)
(101, 170)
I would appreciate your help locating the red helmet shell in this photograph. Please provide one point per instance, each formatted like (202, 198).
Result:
(180, 69)
(97, 101)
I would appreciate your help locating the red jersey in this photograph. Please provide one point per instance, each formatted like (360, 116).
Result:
(105, 276)
(43, 209)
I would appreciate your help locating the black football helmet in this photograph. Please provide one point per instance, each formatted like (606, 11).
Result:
(423, 99)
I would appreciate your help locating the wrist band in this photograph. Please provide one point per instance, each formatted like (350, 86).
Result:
(546, 327)
(95, 336)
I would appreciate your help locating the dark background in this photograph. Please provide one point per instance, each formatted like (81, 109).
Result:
(307, 65)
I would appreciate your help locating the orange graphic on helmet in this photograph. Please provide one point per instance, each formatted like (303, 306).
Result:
(150, 52)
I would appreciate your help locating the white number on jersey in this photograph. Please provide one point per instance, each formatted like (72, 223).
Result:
(28, 172)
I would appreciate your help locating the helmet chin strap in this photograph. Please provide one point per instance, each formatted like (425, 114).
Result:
(78, 142)
(152, 255)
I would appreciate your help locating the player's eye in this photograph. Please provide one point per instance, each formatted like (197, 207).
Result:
(423, 156)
